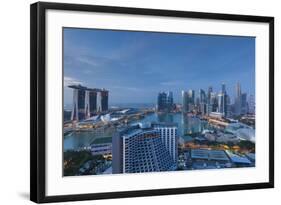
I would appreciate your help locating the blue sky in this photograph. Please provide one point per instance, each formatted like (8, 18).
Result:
(135, 66)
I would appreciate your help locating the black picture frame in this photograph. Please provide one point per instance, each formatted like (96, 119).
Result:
(38, 101)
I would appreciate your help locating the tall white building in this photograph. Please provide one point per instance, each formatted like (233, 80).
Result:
(222, 104)
(87, 101)
(75, 111)
(168, 134)
(238, 99)
(99, 108)
(87, 104)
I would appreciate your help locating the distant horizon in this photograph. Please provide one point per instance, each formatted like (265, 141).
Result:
(177, 102)
(136, 66)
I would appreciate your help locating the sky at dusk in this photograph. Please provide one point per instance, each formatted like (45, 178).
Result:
(136, 66)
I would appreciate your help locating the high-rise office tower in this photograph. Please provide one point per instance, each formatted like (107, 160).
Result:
(210, 101)
(222, 101)
(244, 104)
(170, 100)
(203, 108)
(238, 102)
(161, 101)
(188, 100)
(210, 90)
(222, 107)
(191, 100)
(191, 97)
(214, 102)
(140, 149)
(184, 96)
(202, 96)
(223, 90)
(202, 101)
(209, 108)
(238, 90)
(228, 106)
(165, 101)
(197, 102)
(213, 98)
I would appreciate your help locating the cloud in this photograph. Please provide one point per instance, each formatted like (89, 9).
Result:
(128, 88)
(71, 81)
(171, 83)
(129, 51)
(89, 63)
(88, 60)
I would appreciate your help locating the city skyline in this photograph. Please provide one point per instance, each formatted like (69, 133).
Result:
(153, 102)
(135, 66)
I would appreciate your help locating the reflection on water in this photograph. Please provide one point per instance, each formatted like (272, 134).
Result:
(187, 125)
(76, 140)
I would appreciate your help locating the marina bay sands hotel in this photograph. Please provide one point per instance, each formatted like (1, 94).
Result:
(88, 101)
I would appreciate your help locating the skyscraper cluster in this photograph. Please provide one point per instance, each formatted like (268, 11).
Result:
(217, 102)
(188, 102)
(220, 102)
(165, 101)
(240, 105)
(87, 101)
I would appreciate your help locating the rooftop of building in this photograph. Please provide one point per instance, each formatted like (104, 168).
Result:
(151, 125)
(164, 124)
(187, 138)
(135, 132)
(242, 131)
(80, 87)
(209, 154)
(144, 127)
(237, 159)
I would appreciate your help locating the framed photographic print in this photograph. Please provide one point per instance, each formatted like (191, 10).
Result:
(129, 102)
